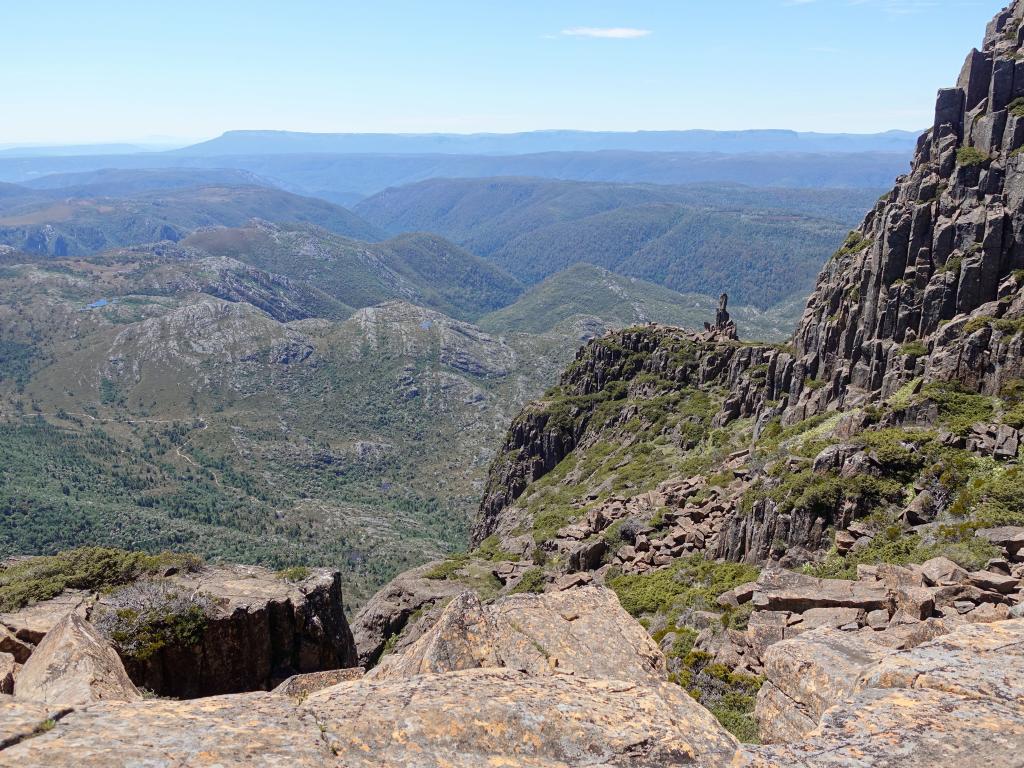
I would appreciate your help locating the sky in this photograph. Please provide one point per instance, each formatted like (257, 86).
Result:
(106, 71)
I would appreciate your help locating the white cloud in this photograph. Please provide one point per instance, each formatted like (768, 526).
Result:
(613, 33)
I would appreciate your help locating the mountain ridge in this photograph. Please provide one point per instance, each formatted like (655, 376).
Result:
(249, 142)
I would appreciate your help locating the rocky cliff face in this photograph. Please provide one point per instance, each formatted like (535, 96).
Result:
(928, 285)
(222, 629)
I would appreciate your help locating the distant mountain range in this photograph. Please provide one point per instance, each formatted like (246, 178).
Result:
(730, 142)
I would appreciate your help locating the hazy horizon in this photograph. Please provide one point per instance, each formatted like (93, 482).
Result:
(133, 74)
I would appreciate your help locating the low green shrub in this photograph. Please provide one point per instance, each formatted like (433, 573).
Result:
(447, 568)
(970, 157)
(144, 617)
(532, 581)
(295, 573)
(914, 349)
(490, 550)
(959, 408)
(691, 582)
(854, 243)
(89, 568)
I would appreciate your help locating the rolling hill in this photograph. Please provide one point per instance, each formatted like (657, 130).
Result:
(760, 246)
(52, 223)
(118, 182)
(420, 268)
(584, 293)
(345, 177)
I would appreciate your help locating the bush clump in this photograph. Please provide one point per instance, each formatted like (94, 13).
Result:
(854, 243)
(532, 581)
(142, 618)
(295, 573)
(96, 569)
(447, 568)
(969, 157)
(691, 582)
(959, 409)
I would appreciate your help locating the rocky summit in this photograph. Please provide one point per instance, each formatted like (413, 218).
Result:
(692, 550)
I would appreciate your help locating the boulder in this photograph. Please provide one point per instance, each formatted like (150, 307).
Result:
(994, 582)
(464, 637)
(583, 632)
(953, 701)
(825, 617)
(941, 571)
(587, 556)
(300, 686)
(814, 672)
(74, 665)
(500, 717)
(781, 590)
(31, 623)
(389, 611)
(1010, 538)
(981, 661)
(903, 729)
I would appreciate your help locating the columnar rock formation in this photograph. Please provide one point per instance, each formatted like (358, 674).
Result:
(941, 249)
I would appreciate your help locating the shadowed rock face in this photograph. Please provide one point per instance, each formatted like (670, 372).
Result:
(266, 629)
(261, 630)
(74, 665)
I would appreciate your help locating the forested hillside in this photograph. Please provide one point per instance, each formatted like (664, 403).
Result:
(761, 246)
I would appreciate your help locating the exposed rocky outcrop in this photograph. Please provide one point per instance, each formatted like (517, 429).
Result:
(257, 630)
(74, 665)
(956, 700)
(388, 612)
(265, 629)
(582, 632)
(607, 704)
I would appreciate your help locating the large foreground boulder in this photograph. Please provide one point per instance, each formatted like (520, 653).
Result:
(481, 717)
(458, 720)
(74, 665)
(239, 731)
(583, 632)
(904, 729)
(808, 675)
(956, 700)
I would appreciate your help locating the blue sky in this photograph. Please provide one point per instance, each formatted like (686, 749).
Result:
(77, 71)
